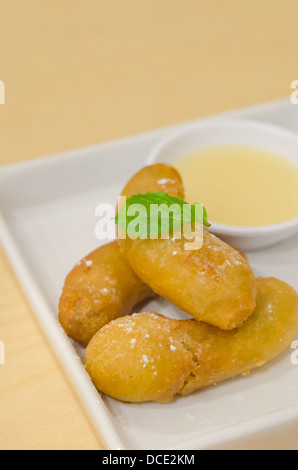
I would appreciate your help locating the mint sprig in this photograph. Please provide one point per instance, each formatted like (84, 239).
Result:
(150, 214)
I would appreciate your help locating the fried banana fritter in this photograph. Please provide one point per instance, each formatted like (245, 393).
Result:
(148, 357)
(214, 284)
(99, 289)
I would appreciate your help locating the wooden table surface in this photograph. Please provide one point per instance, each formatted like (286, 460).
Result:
(78, 73)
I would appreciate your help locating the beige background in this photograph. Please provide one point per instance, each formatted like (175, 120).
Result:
(81, 72)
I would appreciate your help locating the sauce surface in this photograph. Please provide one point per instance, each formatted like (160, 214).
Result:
(241, 185)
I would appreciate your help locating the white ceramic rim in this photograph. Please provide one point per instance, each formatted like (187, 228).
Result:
(223, 228)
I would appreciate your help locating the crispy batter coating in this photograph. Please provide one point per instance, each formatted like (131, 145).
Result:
(148, 357)
(158, 177)
(99, 289)
(214, 284)
(103, 286)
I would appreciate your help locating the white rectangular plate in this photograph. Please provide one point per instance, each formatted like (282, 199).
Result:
(47, 224)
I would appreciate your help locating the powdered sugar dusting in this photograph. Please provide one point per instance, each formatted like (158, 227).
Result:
(164, 181)
(88, 263)
(145, 360)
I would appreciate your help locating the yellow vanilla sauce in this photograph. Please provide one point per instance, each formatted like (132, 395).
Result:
(241, 185)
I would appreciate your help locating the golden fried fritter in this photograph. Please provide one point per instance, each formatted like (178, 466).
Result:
(158, 177)
(103, 286)
(214, 284)
(99, 289)
(148, 357)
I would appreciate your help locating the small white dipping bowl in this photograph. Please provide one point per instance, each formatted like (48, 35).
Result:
(271, 138)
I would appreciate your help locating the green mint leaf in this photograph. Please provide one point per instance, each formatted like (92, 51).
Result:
(151, 214)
